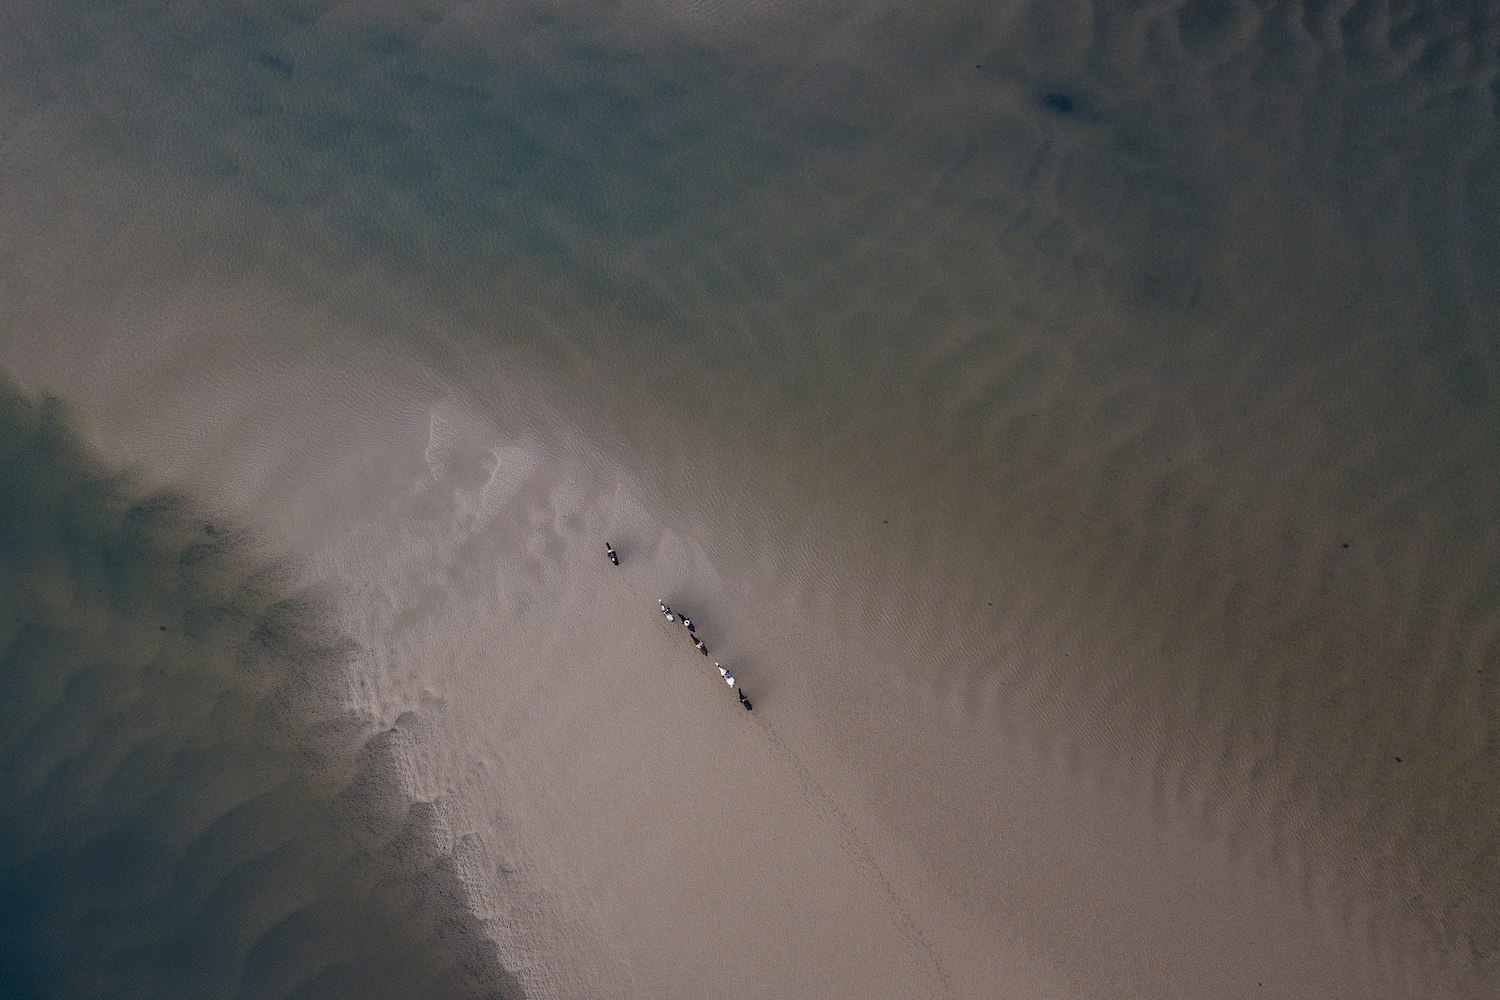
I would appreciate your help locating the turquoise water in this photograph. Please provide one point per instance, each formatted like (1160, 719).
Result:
(1180, 313)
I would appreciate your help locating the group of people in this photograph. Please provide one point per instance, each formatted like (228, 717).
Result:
(687, 622)
(697, 642)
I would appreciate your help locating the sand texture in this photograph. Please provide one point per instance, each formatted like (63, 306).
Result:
(1074, 424)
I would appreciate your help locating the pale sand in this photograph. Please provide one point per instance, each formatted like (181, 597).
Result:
(626, 828)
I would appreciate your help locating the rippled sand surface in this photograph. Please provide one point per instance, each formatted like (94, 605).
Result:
(1074, 424)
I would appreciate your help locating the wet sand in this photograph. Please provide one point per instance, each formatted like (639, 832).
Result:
(625, 828)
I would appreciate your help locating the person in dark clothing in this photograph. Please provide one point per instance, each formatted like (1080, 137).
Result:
(701, 648)
(612, 556)
(688, 622)
(743, 700)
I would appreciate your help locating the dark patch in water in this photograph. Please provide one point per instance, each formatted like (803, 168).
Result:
(190, 812)
(275, 64)
(1057, 101)
(1080, 107)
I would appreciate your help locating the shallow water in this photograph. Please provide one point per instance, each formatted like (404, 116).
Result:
(189, 808)
(1119, 376)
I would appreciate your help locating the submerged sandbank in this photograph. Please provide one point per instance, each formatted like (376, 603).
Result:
(621, 825)
(1077, 429)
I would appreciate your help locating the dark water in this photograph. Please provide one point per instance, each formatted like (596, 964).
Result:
(186, 810)
(1181, 312)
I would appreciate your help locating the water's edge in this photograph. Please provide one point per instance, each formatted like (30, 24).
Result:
(186, 808)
